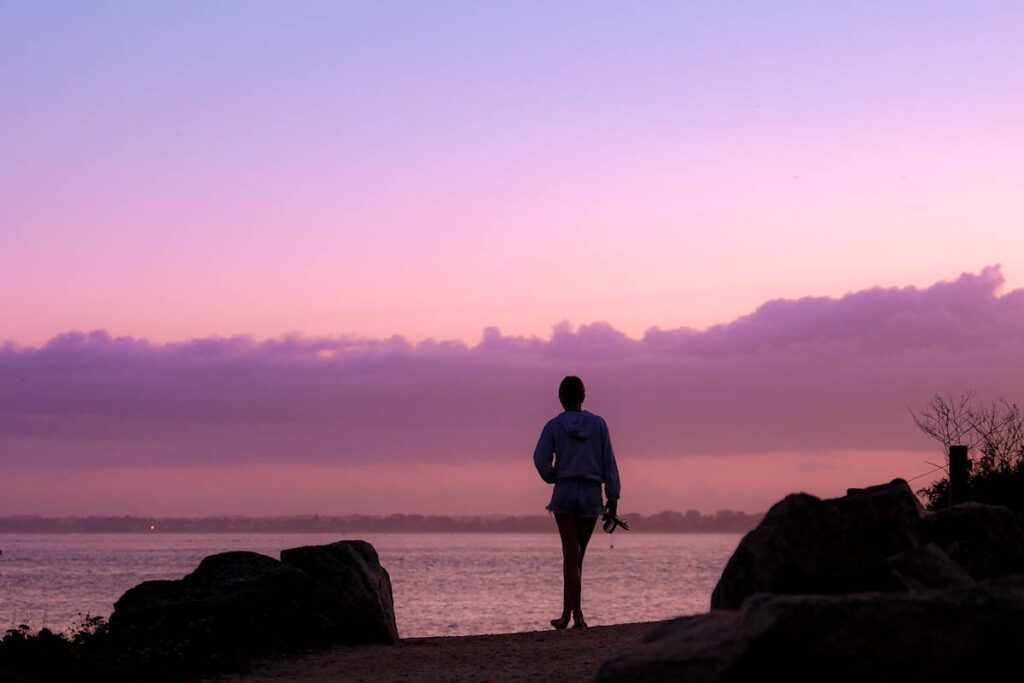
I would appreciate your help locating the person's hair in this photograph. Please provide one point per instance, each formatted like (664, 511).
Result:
(570, 391)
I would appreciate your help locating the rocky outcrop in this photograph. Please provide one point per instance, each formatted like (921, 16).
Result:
(962, 634)
(864, 587)
(926, 567)
(350, 575)
(873, 539)
(240, 603)
(986, 540)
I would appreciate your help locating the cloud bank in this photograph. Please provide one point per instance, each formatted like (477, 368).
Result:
(802, 376)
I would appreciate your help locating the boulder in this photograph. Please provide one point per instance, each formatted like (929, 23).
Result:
(986, 540)
(1009, 581)
(864, 586)
(808, 545)
(969, 633)
(240, 603)
(232, 603)
(927, 566)
(358, 588)
(880, 520)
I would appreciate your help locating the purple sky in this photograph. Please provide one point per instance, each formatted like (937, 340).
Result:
(275, 210)
(180, 170)
(803, 378)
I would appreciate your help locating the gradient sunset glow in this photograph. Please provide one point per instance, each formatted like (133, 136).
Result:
(267, 258)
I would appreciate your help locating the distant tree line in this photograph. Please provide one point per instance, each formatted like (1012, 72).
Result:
(692, 521)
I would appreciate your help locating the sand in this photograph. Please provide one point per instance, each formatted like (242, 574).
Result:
(565, 656)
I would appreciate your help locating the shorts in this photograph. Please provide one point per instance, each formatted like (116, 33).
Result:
(576, 497)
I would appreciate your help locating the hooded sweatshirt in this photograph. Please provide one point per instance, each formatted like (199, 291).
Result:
(576, 445)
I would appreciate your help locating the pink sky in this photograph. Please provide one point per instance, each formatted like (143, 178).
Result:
(800, 394)
(226, 230)
(175, 172)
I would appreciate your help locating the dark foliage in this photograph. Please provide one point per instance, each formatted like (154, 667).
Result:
(993, 484)
(88, 652)
(995, 434)
(48, 656)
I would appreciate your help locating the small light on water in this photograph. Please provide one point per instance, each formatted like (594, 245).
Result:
(152, 527)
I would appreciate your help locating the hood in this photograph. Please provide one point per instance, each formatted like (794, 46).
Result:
(577, 425)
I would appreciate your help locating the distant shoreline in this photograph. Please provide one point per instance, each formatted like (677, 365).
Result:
(347, 531)
(723, 521)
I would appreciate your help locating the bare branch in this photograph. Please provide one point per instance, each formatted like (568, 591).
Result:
(948, 420)
(996, 429)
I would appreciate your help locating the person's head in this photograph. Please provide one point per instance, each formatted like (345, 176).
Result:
(571, 393)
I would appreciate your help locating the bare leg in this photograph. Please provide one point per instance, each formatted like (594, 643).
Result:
(571, 559)
(567, 533)
(584, 530)
(563, 620)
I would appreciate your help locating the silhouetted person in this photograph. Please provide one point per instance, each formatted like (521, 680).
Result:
(575, 454)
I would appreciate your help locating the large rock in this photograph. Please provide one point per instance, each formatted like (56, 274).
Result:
(864, 586)
(927, 566)
(808, 545)
(963, 634)
(880, 520)
(358, 587)
(232, 602)
(240, 603)
(986, 540)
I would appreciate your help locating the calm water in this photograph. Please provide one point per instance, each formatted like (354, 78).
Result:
(444, 584)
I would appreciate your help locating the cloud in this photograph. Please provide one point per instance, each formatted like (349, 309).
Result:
(803, 376)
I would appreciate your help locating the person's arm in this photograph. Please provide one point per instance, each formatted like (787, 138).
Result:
(544, 454)
(612, 487)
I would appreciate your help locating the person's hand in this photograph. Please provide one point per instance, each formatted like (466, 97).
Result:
(612, 506)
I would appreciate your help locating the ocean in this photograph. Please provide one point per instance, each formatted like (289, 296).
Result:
(444, 584)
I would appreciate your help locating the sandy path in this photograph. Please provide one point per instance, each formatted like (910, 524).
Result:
(567, 656)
